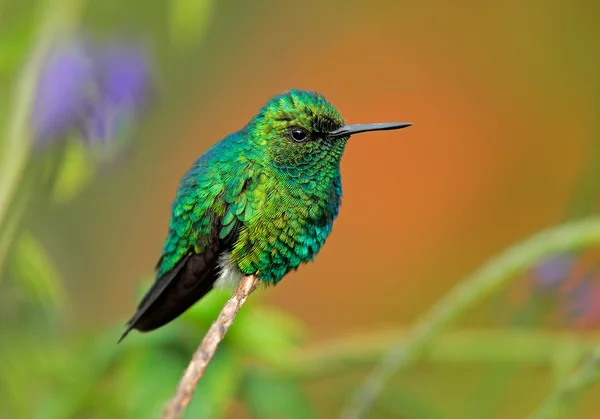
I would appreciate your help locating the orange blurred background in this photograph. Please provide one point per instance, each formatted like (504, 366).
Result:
(502, 98)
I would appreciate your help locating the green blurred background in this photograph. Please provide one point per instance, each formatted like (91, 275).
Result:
(504, 98)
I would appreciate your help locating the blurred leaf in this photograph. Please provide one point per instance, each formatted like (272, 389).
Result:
(269, 397)
(407, 404)
(216, 391)
(14, 380)
(564, 360)
(562, 400)
(37, 274)
(205, 311)
(189, 21)
(77, 376)
(152, 377)
(14, 42)
(75, 173)
(10, 226)
(161, 337)
(266, 333)
(490, 392)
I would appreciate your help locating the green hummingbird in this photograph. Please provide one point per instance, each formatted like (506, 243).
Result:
(261, 201)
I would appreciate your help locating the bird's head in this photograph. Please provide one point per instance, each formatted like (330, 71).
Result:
(300, 131)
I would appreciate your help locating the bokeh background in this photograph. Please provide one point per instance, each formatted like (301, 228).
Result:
(505, 101)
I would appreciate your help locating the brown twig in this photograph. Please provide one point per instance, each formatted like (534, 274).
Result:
(207, 348)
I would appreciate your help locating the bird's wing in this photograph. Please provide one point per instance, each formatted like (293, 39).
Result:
(200, 230)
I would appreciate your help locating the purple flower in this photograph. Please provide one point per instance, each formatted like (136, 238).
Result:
(563, 289)
(124, 85)
(63, 89)
(124, 74)
(95, 90)
(550, 272)
(580, 301)
(106, 123)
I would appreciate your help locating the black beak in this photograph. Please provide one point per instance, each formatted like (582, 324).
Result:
(348, 130)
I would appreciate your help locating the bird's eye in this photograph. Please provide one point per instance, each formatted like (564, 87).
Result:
(299, 135)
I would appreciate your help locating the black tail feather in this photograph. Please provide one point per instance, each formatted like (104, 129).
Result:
(171, 295)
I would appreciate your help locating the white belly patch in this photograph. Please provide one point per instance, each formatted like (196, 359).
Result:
(230, 275)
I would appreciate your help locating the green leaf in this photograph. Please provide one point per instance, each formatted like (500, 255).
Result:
(491, 391)
(162, 337)
(407, 404)
(37, 274)
(205, 311)
(77, 389)
(34, 367)
(216, 391)
(152, 377)
(75, 172)
(565, 359)
(15, 39)
(266, 333)
(15, 379)
(269, 397)
(189, 21)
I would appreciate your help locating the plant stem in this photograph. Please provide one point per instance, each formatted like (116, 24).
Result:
(460, 348)
(57, 18)
(464, 296)
(208, 347)
(41, 176)
(560, 402)
(15, 215)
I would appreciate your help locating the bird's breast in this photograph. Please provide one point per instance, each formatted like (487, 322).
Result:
(290, 228)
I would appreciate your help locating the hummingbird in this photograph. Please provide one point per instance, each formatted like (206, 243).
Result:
(261, 202)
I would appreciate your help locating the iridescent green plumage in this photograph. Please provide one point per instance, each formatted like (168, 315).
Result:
(261, 201)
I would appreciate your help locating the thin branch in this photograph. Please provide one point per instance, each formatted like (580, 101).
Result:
(208, 347)
(465, 295)
(561, 401)
(462, 347)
